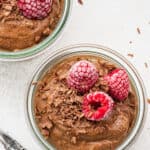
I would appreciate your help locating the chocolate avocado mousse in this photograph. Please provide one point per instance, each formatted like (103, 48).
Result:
(85, 102)
(19, 30)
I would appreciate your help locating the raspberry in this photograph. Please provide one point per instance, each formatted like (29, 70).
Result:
(82, 76)
(97, 106)
(35, 9)
(118, 82)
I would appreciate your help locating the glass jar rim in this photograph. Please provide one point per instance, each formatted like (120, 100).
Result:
(39, 48)
(89, 49)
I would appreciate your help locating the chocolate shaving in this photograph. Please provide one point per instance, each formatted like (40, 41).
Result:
(146, 65)
(148, 100)
(74, 140)
(45, 133)
(130, 55)
(80, 2)
(138, 30)
(130, 42)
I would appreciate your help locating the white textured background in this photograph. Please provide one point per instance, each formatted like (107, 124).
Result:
(111, 23)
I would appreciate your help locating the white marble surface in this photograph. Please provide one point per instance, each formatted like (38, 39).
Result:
(106, 22)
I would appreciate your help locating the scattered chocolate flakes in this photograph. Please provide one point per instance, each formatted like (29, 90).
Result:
(37, 39)
(138, 30)
(148, 100)
(45, 133)
(131, 55)
(47, 31)
(80, 2)
(130, 42)
(46, 125)
(146, 65)
(74, 140)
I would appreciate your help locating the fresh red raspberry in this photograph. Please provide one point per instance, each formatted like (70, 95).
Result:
(82, 76)
(35, 9)
(97, 106)
(118, 82)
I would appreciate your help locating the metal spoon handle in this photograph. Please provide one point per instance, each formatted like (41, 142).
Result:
(9, 143)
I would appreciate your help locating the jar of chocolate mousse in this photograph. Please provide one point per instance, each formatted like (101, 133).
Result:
(28, 27)
(103, 110)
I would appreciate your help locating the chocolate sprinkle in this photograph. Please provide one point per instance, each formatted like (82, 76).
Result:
(138, 30)
(80, 2)
(131, 55)
(146, 65)
(148, 100)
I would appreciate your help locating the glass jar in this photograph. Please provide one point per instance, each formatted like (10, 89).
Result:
(39, 48)
(96, 50)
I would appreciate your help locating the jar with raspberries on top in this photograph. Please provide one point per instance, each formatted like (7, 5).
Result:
(90, 93)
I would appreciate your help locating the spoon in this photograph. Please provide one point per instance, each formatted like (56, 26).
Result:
(9, 143)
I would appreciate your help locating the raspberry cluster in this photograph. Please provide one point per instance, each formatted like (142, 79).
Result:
(98, 105)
